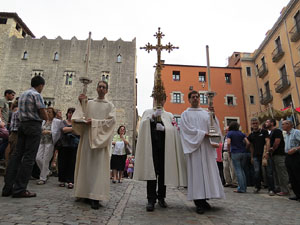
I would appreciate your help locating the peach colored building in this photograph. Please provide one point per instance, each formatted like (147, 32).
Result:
(229, 104)
(271, 73)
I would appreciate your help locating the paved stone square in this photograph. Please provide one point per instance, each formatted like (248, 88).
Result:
(56, 205)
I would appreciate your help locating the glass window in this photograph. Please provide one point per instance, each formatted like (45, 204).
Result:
(228, 121)
(229, 100)
(203, 99)
(252, 99)
(228, 78)
(176, 98)
(25, 55)
(248, 71)
(56, 56)
(202, 77)
(69, 78)
(119, 58)
(176, 75)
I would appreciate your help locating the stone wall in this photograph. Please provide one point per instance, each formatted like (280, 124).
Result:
(16, 71)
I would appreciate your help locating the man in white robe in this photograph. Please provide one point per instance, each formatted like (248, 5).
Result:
(94, 121)
(203, 176)
(159, 157)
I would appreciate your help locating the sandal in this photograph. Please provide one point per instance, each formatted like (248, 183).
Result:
(62, 185)
(70, 186)
(41, 182)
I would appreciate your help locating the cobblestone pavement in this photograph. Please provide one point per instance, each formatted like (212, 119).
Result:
(55, 205)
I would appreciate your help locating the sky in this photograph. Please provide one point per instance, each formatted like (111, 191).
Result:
(226, 26)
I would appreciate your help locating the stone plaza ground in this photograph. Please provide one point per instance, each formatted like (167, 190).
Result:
(56, 205)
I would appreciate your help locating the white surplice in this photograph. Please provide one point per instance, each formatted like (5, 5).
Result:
(203, 175)
(92, 163)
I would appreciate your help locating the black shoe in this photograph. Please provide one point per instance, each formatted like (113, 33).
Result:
(95, 204)
(200, 209)
(206, 206)
(6, 193)
(162, 203)
(294, 198)
(24, 194)
(150, 207)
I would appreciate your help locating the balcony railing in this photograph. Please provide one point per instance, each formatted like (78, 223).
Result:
(295, 32)
(277, 54)
(262, 70)
(266, 98)
(282, 84)
(297, 69)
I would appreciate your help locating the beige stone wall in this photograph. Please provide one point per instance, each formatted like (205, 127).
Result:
(16, 73)
(289, 59)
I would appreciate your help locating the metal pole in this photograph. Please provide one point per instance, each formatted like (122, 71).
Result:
(208, 68)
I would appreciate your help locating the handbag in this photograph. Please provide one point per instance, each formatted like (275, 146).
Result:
(128, 149)
(4, 133)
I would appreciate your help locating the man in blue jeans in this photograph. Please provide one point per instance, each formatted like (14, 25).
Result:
(260, 141)
(31, 113)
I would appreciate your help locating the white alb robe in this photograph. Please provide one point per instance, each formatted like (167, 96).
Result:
(92, 163)
(175, 166)
(203, 176)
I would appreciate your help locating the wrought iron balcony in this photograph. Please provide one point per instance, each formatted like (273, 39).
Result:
(297, 69)
(277, 54)
(282, 84)
(262, 70)
(266, 98)
(295, 32)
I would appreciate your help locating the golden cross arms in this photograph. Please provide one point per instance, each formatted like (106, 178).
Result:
(159, 47)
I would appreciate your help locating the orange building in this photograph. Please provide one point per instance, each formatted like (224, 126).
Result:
(229, 104)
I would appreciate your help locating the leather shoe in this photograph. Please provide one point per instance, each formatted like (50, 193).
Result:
(6, 193)
(95, 204)
(150, 207)
(206, 206)
(293, 198)
(24, 194)
(200, 209)
(162, 203)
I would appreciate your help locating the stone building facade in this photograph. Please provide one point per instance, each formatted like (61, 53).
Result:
(271, 73)
(62, 62)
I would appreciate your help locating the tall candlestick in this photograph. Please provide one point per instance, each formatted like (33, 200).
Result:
(215, 137)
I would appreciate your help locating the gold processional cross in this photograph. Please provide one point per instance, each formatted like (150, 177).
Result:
(158, 89)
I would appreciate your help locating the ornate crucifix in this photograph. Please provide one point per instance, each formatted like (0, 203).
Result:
(158, 90)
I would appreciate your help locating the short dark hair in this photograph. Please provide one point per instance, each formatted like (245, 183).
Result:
(8, 92)
(70, 110)
(104, 82)
(234, 126)
(120, 128)
(15, 103)
(273, 121)
(37, 81)
(193, 92)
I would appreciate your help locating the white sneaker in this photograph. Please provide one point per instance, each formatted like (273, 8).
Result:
(271, 193)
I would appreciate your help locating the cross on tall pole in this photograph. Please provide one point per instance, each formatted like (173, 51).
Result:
(158, 90)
